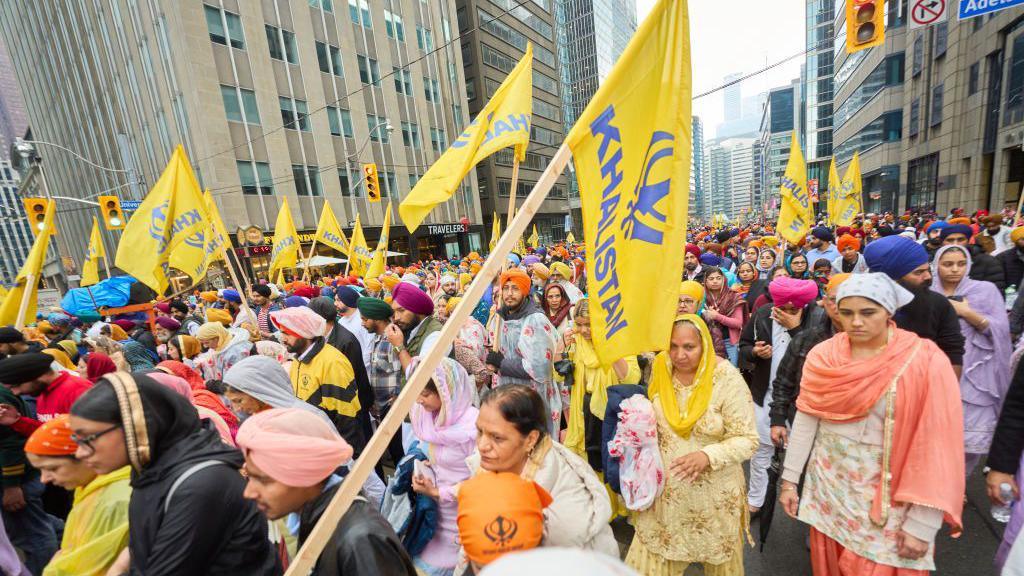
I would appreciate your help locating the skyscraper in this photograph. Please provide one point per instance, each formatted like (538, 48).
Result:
(733, 166)
(696, 204)
(13, 118)
(778, 123)
(489, 54)
(818, 90)
(270, 99)
(732, 97)
(15, 235)
(742, 114)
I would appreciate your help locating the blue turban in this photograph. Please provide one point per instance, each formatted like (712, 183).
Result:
(823, 234)
(514, 258)
(327, 292)
(232, 296)
(295, 302)
(937, 225)
(710, 259)
(348, 296)
(58, 319)
(895, 256)
(956, 229)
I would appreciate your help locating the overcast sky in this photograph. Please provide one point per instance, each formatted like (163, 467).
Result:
(739, 36)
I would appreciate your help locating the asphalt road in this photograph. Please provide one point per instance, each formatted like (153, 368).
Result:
(785, 553)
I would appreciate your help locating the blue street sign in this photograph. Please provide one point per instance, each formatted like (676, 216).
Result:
(972, 8)
(130, 204)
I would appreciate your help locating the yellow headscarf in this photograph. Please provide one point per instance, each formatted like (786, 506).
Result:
(216, 330)
(69, 347)
(60, 357)
(662, 390)
(1016, 234)
(692, 289)
(452, 303)
(218, 315)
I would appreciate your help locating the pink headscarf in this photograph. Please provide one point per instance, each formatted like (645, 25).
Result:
(455, 422)
(799, 293)
(292, 447)
(299, 321)
(182, 387)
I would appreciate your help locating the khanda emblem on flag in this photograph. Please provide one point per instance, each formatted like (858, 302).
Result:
(650, 190)
(158, 223)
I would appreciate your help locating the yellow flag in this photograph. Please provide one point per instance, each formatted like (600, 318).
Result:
(329, 232)
(91, 266)
(495, 232)
(848, 203)
(503, 122)
(534, 238)
(218, 237)
(380, 255)
(285, 251)
(570, 239)
(631, 148)
(194, 256)
(359, 256)
(796, 216)
(31, 269)
(834, 187)
(172, 214)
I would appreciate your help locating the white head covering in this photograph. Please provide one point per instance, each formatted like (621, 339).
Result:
(448, 279)
(265, 380)
(411, 279)
(876, 287)
(557, 561)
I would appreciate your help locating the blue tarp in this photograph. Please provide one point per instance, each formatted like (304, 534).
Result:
(110, 293)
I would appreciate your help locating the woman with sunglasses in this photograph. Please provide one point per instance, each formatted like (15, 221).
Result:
(181, 472)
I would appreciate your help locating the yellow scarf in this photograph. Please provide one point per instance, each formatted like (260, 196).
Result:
(661, 383)
(587, 373)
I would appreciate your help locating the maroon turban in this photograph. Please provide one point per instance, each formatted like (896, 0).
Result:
(126, 325)
(168, 323)
(164, 307)
(693, 249)
(413, 299)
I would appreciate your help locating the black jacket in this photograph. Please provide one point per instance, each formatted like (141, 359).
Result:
(345, 341)
(1012, 261)
(931, 316)
(189, 539)
(759, 328)
(786, 386)
(1008, 441)
(362, 543)
(985, 267)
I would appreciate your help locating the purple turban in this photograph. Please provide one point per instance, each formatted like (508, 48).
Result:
(799, 293)
(895, 256)
(413, 299)
(168, 323)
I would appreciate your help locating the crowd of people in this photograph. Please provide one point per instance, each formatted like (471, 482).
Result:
(860, 376)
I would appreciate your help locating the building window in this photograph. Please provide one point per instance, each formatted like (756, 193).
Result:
(936, 115)
(282, 44)
(410, 134)
(431, 91)
(1015, 84)
(888, 73)
(413, 179)
(369, 72)
(915, 117)
(393, 24)
(346, 190)
(545, 136)
(359, 12)
(424, 39)
(918, 62)
(941, 40)
(391, 184)
(922, 182)
(403, 81)
(498, 28)
(232, 36)
(973, 78)
(340, 121)
(302, 187)
(234, 106)
(886, 128)
(470, 89)
(378, 129)
(294, 116)
(256, 182)
(437, 140)
(329, 59)
(325, 5)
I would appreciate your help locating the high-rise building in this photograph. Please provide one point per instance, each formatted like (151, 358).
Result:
(778, 123)
(489, 54)
(13, 119)
(733, 166)
(742, 114)
(15, 234)
(732, 97)
(936, 113)
(269, 99)
(591, 36)
(818, 89)
(696, 204)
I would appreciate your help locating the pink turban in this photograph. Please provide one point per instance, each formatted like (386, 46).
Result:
(299, 321)
(413, 299)
(799, 293)
(292, 446)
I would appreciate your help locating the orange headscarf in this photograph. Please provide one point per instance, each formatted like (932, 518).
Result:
(53, 438)
(928, 414)
(490, 527)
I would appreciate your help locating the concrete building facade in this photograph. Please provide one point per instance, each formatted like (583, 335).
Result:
(269, 98)
(733, 165)
(780, 120)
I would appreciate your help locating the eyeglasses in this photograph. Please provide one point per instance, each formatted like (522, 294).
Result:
(88, 440)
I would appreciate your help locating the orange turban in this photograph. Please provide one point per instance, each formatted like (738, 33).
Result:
(218, 315)
(517, 277)
(210, 296)
(391, 281)
(848, 241)
(834, 281)
(53, 438)
(962, 220)
(490, 527)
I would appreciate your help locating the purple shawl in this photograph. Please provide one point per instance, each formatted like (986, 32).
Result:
(986, 368)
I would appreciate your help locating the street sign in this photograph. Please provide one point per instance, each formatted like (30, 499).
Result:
(47, 298)
(130, 204)
(926, 12)
(972, 8)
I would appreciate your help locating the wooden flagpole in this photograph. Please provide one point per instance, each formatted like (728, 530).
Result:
(238, 285)
(30, 280)
(328, 523)
(106, 266)
(305, 273)
(497, 323)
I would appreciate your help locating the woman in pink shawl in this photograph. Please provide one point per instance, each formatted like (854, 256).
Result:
(987, 347)
(444, 420)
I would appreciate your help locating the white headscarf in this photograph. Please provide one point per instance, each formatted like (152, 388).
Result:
(265, 380)
(876, 287)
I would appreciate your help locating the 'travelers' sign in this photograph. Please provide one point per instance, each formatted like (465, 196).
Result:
(441, 229)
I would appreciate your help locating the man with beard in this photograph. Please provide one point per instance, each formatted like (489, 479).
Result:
(526, 344)
(413, 329)
(994, 229)
(13, 342)
(820, 240)
(1013, 259)
(234, 306)
(189, 324)
(261, 300)
(385, 371)
(691, 263)
(934, 237)
(929, 315)
(449, 290)
(320, 374)
(983, 266)
(167, 328)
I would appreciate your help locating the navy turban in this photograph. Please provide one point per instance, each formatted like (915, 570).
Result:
(957, 229)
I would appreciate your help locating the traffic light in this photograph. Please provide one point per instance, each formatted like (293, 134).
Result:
(372, 184)
(865, 24)
(35, 209)
(110, 212)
